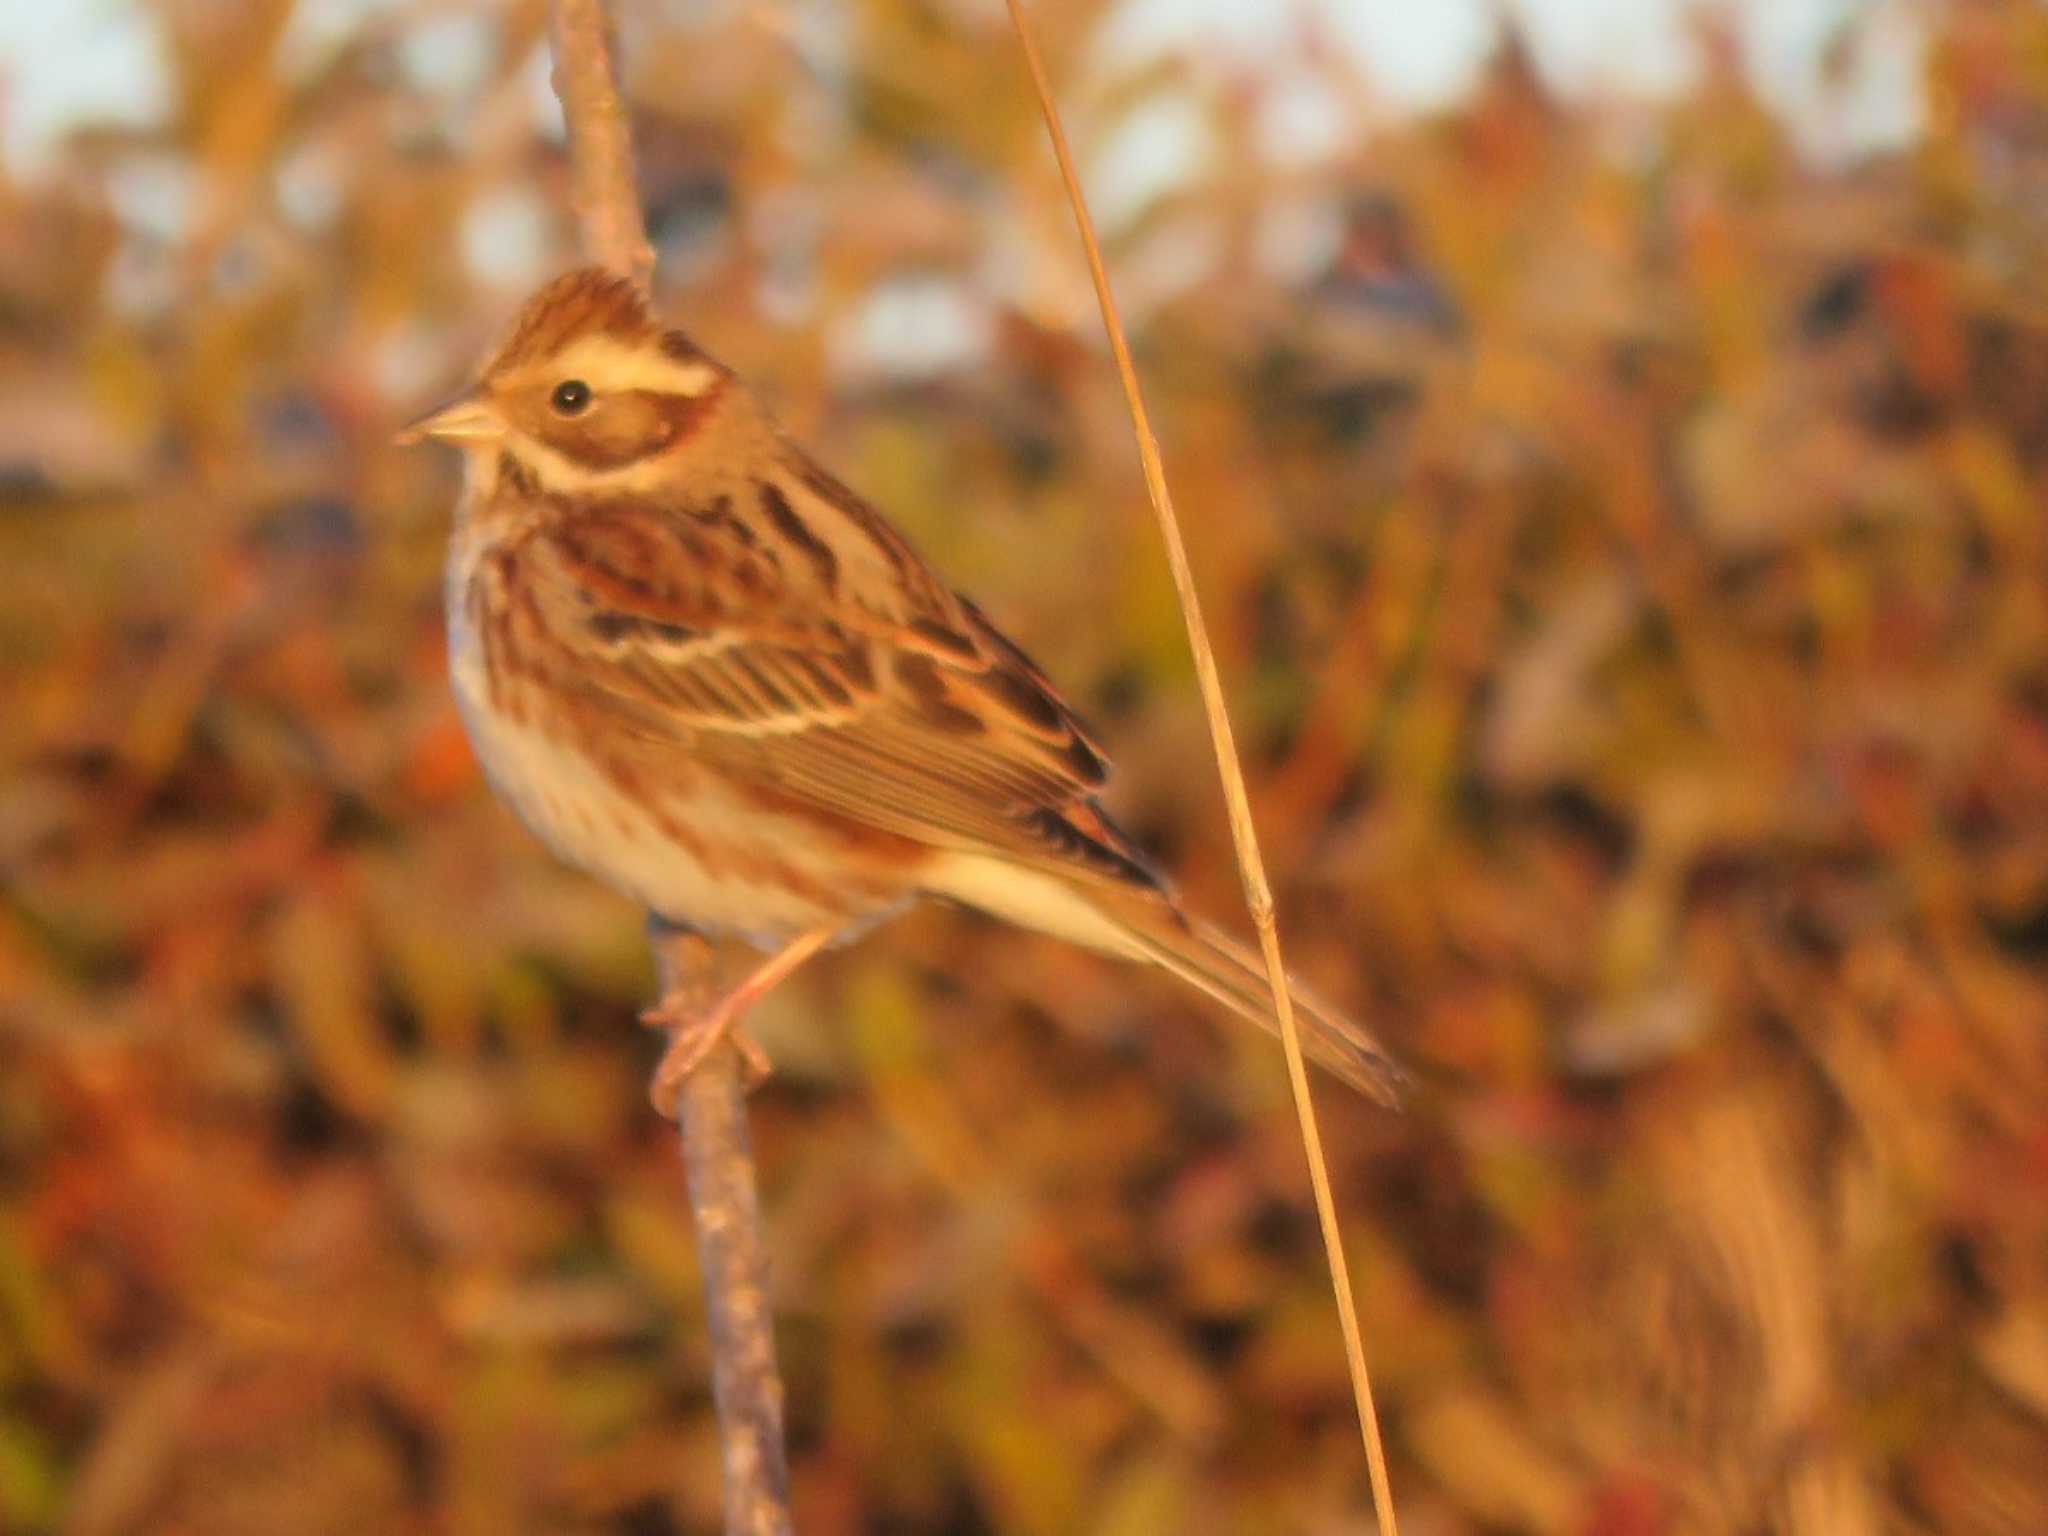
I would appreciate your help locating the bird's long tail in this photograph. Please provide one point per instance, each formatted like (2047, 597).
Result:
(1235, 976)
(1142, 923)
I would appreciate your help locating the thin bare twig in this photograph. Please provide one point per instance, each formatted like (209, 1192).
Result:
(712, 1106)
(1251, 868)
(712, 1111)
(600, 137)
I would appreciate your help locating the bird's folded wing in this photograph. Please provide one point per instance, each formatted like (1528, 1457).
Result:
(925, 722)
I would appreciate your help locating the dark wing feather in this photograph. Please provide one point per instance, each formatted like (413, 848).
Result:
(906, 710)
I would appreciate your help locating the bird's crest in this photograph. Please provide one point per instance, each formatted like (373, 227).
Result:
(589, 301)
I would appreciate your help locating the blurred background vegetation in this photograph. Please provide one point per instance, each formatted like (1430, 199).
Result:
(1621, 516)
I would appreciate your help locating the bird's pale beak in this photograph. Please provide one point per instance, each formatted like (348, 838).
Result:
(466, 418)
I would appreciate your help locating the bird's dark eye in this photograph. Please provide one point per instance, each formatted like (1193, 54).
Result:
(571, 396)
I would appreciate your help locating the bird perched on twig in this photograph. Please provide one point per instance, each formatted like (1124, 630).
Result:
(704, 670)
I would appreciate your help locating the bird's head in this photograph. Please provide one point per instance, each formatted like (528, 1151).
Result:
(588, 390)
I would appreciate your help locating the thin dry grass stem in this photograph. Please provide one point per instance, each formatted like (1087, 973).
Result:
(711, 1108)
(1251, 868)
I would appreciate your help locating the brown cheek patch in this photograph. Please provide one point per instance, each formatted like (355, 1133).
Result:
(625, 428)
(682, 415)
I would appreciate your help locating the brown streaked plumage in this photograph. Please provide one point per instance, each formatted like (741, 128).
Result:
(701, 668)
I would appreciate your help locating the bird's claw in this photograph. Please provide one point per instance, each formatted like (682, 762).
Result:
(693, 1035)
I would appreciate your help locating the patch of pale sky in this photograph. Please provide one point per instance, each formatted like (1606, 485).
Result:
(102, 60)
(68, 62)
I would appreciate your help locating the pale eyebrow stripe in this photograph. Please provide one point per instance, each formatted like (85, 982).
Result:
(641, 368)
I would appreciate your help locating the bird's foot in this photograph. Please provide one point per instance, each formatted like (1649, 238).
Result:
(693, 1034)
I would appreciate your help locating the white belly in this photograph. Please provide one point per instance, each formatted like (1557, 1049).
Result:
(699, 856)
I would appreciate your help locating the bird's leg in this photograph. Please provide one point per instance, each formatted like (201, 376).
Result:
(695, 1032)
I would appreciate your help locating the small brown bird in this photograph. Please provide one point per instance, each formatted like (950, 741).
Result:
(705, 671)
